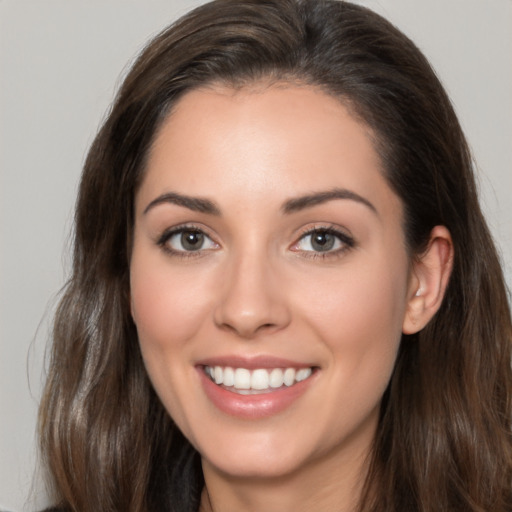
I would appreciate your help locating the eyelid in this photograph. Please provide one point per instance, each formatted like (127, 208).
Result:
(168, 233)
(346, 240)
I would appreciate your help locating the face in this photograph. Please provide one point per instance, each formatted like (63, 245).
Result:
(269, 278)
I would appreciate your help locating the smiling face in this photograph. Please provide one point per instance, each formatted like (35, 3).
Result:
(268, 246)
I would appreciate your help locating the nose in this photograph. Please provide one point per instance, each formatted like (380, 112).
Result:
(253, 299)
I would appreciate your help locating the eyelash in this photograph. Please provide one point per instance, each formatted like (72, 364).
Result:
(177, 230)
(345, 240)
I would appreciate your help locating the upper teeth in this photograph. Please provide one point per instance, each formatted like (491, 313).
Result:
(242, 378)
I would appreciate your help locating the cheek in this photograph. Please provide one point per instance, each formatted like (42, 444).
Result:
(359, 315)
(362, 299)
(168, 307)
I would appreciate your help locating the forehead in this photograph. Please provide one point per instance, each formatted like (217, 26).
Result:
(266, 141)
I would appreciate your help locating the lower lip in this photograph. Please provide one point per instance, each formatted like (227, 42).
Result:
(252, 406)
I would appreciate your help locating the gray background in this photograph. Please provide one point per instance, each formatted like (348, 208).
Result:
(60, 61)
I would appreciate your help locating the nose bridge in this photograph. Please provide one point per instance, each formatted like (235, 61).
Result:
(252, 300)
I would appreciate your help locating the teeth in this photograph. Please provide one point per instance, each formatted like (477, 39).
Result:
(276, 378)
(289, 376)
(217, 375)
(259, 379)
(244, 380)
(302, 374)
(229, 377)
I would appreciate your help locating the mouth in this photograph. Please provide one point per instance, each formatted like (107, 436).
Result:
(252, 388)
(244, 381)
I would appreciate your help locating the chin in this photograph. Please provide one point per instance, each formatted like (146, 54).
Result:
(255, 467)
(272, 453)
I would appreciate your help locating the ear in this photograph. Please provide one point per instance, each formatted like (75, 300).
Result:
(429, 278)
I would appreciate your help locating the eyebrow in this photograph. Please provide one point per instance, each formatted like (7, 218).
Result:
(197, 204)
(300, 203)
(295, 204)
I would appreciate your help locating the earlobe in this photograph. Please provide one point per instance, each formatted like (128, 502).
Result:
(430, 276)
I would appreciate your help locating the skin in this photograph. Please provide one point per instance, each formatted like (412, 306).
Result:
(256, 288)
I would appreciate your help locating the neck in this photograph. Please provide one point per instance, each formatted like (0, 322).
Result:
(327, 484)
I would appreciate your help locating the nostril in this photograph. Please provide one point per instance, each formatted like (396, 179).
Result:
(248, 331)
(266, 327)
(249, 307)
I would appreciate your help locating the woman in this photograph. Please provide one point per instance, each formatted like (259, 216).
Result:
(284, 294)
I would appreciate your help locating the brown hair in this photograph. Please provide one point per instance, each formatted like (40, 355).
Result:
(444, 438)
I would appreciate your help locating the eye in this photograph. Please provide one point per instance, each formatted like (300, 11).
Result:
(186, 239)
(324, 240)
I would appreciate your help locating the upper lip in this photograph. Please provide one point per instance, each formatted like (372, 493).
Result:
(252, 363)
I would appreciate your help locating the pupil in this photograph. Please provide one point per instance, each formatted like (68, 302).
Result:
(322, 241)
(192, 240)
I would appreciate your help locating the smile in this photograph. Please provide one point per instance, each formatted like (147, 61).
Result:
(262, 380)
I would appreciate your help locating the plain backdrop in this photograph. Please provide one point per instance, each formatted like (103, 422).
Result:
(60, 63)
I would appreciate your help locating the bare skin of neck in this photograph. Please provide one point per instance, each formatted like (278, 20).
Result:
(330, 484)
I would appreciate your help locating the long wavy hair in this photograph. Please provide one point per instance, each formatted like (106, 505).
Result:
(444, 436)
